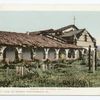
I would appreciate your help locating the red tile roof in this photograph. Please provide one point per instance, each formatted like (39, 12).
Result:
(23, 39)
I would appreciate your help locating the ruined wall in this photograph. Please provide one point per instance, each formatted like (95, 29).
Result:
(81, 41)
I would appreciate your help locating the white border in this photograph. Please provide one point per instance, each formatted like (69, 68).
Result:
(49, 7)
(44, 90)
(49, 91)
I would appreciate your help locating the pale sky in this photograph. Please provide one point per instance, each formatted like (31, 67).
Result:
(22, 21)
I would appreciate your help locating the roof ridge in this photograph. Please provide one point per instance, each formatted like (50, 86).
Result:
(67, 27)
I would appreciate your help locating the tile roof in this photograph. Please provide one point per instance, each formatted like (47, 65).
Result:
(23, 39)
(44, 31)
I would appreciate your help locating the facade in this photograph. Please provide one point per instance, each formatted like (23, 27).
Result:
(80, 37)
(73, 35)
(65, 43)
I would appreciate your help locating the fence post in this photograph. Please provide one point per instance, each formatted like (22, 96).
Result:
(95, 58)
(7, 71)
(17, 70)
(89, 58)
(22, 71)
(93, 64)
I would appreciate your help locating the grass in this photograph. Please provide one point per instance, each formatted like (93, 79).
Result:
(62, 74)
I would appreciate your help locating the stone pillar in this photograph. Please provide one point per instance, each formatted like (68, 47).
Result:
(83, 52)
(46, 52)
(67, 50)
(1, 52)
(20, 56)
(57, 53)
(33, 53)
(76, 54)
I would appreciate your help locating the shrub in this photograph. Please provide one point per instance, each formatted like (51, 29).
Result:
(64, 74)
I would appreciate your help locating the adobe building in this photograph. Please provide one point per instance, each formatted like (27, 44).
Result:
(65, 43)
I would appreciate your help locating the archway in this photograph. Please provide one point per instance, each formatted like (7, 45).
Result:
(26, 54)
(71, 53)
(40, 54)
(10, 54)
(52, 54)
(62, 54)
(80, 54)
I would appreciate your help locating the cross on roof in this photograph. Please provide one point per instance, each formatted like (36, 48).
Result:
(74, 20)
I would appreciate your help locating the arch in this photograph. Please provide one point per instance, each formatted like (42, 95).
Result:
(10, 54)
(62, 54)
(40, 54)
(71, 53)
(26, 53)
(52, 54)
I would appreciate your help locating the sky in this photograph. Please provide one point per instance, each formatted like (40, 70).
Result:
(23, 21)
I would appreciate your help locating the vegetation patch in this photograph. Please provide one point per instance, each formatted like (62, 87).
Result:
(61, 74)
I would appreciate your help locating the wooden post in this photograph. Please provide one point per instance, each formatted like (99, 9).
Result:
(7, 72)
(43, 66)
(22, 71)
(32, 51)
(17, 70)
(93, 64)
(89, 58)
(95, 58)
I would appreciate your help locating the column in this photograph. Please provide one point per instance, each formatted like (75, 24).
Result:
(57, 53)
(76, 54)
(67, 50)
(83, 52)
(33, 53)
(1, 53)
(20, 56)
(46, 52)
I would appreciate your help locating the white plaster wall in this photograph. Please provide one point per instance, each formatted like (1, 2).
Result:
(82, 42)
(76, 54)
(2, 48)
(69, 29)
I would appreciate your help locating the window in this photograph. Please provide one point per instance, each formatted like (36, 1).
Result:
(85, 38)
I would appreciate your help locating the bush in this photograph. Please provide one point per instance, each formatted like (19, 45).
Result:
(63, 74)
(4, 83)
